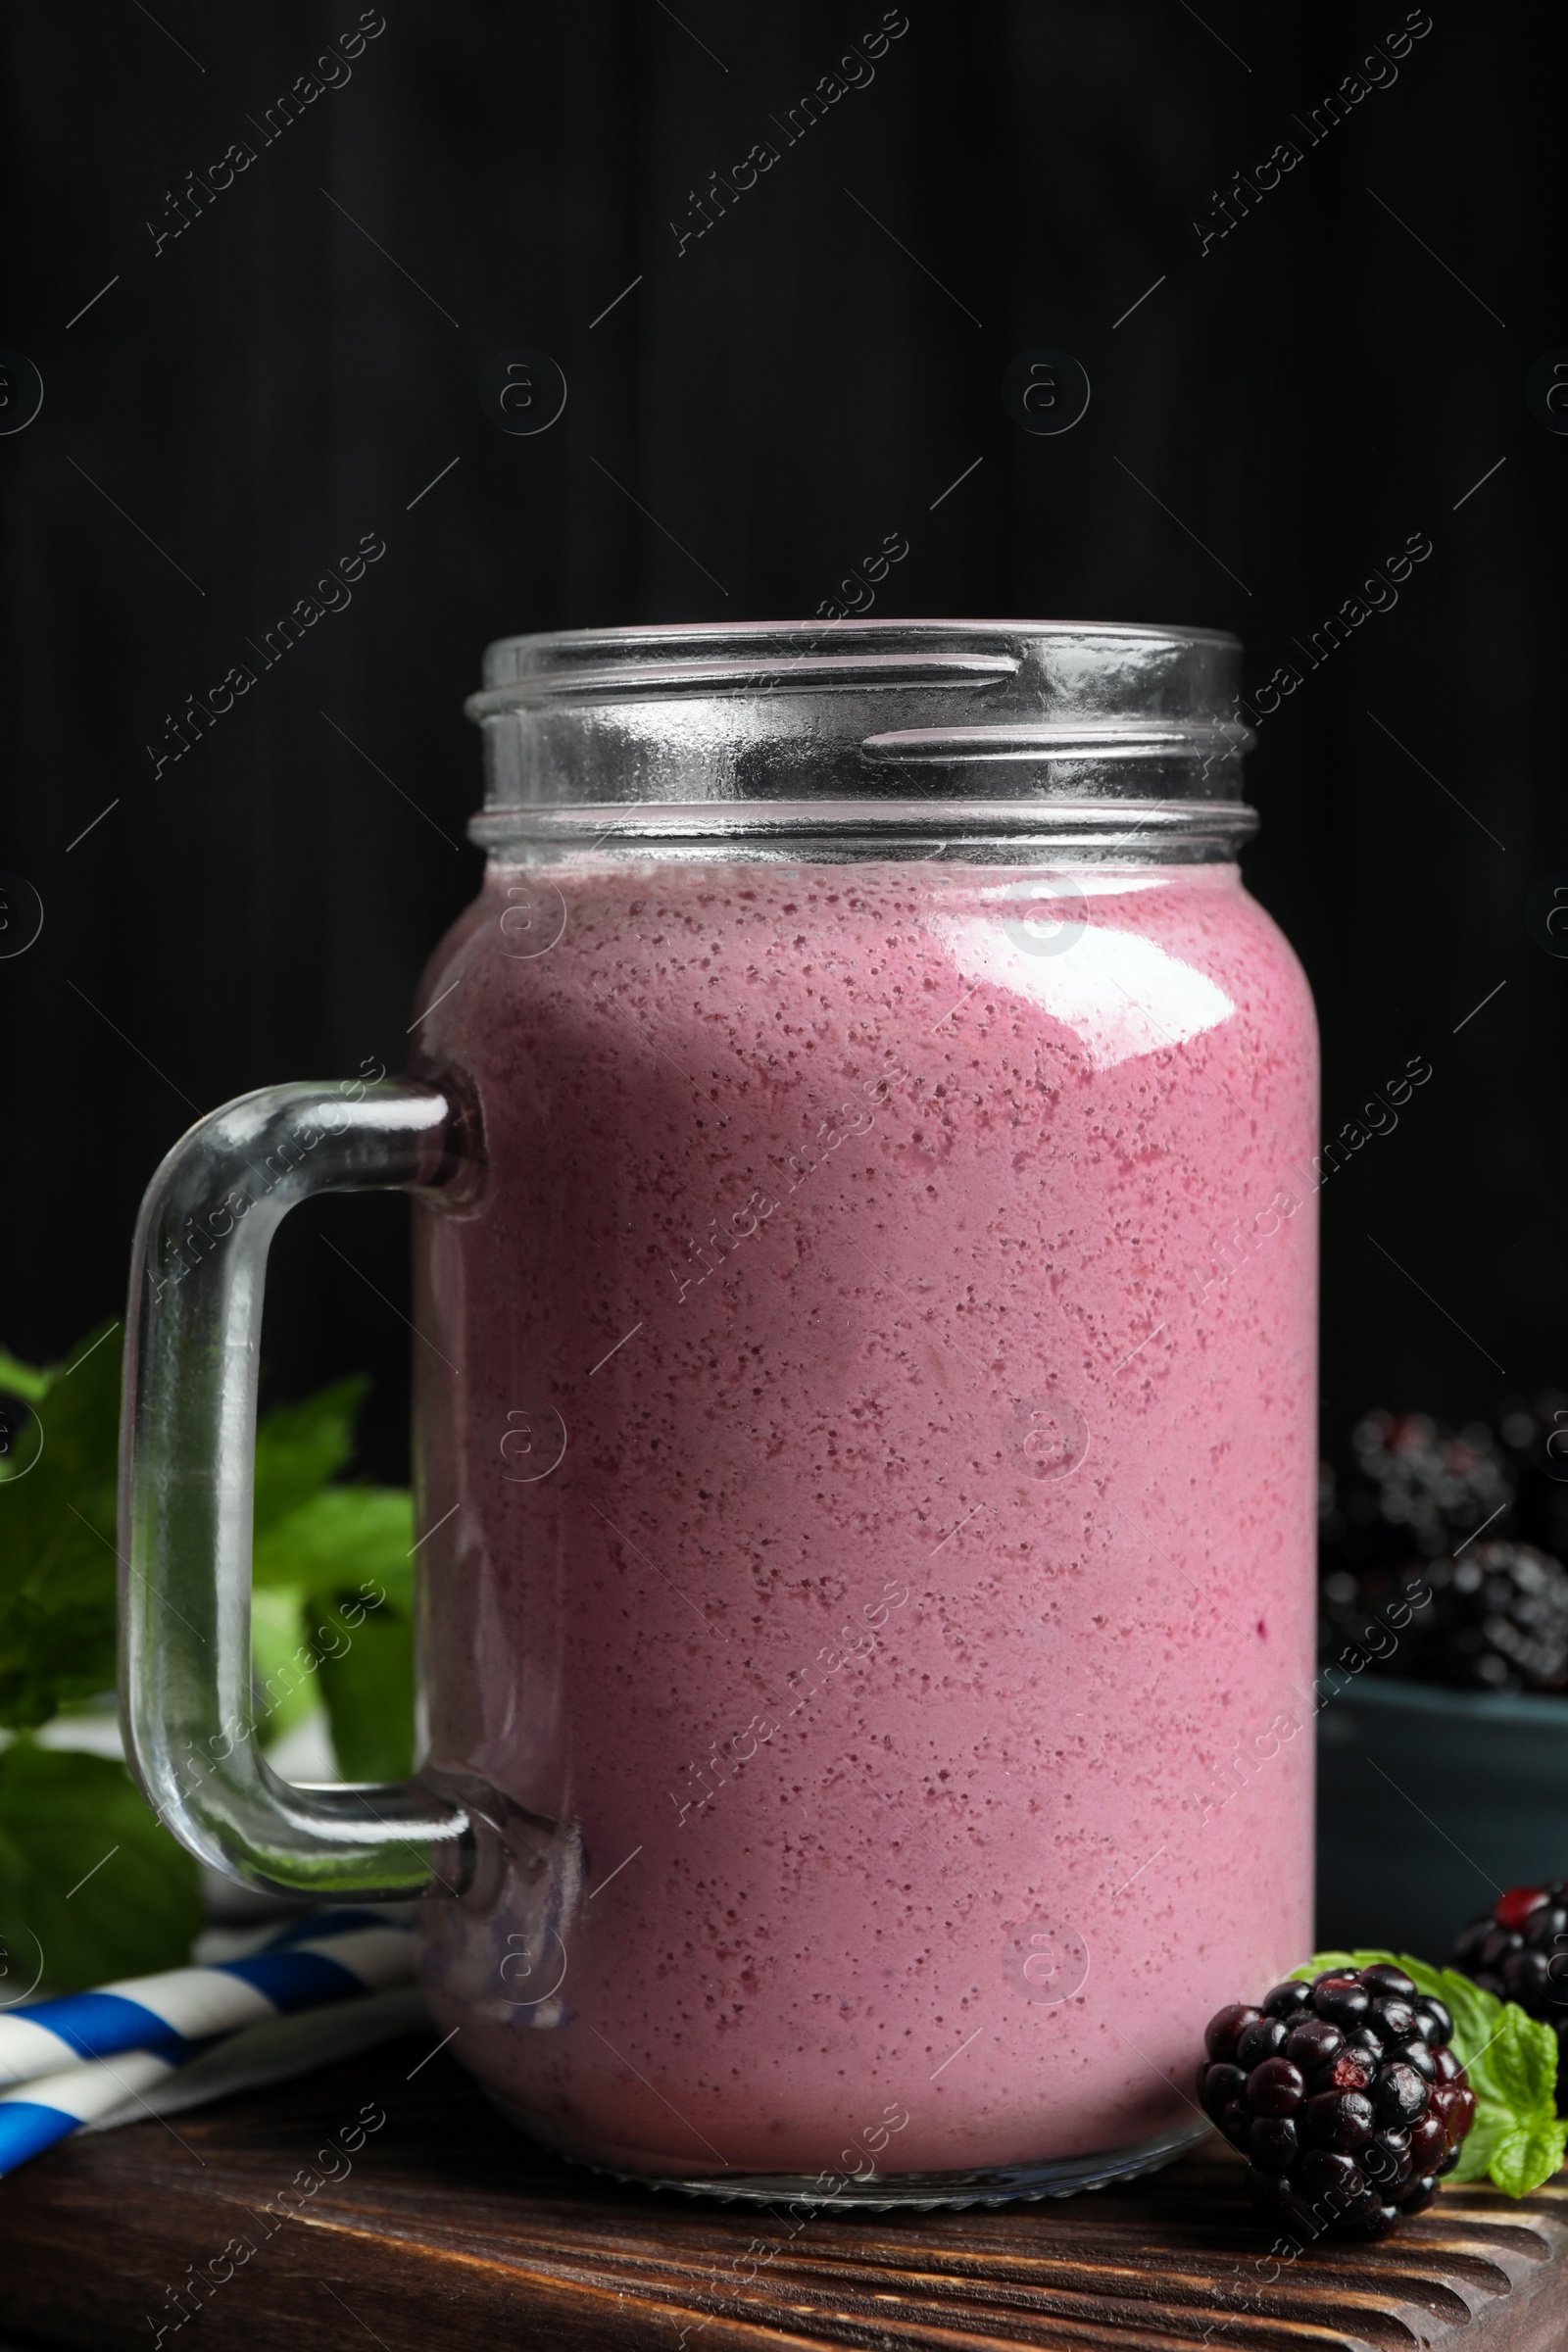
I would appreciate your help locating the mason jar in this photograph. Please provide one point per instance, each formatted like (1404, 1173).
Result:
(861, 1138)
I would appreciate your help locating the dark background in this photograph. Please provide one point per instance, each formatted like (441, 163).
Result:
(1325, 381)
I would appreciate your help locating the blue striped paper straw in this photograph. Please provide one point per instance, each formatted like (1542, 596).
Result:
(328, 1958)
(41, 2112)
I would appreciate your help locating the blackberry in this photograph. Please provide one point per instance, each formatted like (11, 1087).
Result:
(1343, 2096)
(1416, 1490)
(1519, 1951)
(1507, 1623)
(1533, 1438)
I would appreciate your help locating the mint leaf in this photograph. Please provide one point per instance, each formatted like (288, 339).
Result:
(339, 1539)
(91, 1887)
(1476, 2014)
(352, 1653)
(350, 1548)
(17, 1379)
(285, 1689)
(1492, 2127)
(1518, 2067)
(300, 1446)
(57, 1537)
(334, 1575)
(1527, 2154)
(346, 1558)
(368, 1688)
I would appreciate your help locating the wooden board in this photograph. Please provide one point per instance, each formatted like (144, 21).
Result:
(451, 2229)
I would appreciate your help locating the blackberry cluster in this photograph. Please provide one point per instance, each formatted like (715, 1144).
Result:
(1479, 1521)
(1519, 1950)
(1414, 1489)
(1345, 2097)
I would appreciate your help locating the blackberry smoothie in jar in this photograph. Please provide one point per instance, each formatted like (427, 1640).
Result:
(865, 1268)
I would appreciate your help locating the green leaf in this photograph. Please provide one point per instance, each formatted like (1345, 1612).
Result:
(368, 1688)
(341, 1569)
(340, 1538)
(332, 1620)
(57, 1540)
(300, 1446)
(1492, 2127)
(26, 1381)
(1476, 2014)
(345, 1557)
(90, 1883)
(1527, 2154)
(283, 1693)
(1519, 2066)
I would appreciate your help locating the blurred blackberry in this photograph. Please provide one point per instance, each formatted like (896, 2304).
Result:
(1479, 1521)
(1519, 1950)
(1534, 1443)
(1414, 1491)
(1502, 1618)
(1383, 1621)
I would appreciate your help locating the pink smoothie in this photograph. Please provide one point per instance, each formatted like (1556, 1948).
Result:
(872, 1479)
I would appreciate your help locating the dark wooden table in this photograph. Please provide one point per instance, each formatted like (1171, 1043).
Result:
(450, 2229)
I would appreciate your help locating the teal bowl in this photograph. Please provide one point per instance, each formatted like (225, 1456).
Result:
(1431, 1803)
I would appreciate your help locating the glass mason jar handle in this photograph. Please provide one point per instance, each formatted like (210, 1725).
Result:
(187, 1466)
